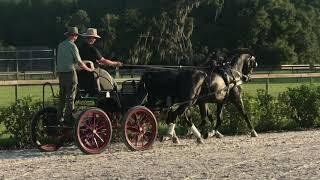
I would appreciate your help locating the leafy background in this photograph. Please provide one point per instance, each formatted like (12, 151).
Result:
(171, 31)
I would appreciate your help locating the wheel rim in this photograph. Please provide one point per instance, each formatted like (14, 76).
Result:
(140, 129)
(93, 131)
(46, 131)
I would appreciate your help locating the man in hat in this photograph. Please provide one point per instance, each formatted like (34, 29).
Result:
(67, 58)
(89, 52)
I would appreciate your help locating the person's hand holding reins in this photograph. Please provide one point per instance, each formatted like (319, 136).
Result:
(106, 62)
(119, 64)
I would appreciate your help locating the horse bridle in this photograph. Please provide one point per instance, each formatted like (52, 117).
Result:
(247, 76)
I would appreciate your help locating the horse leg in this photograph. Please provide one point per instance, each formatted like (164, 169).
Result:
(220, 107)
(240, 106)
(205, 119)
(187, 117)
(182, 110)
(171, 133)
(193, 130)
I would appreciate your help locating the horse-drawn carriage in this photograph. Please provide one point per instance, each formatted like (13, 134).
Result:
(128, 110)
(112, 110)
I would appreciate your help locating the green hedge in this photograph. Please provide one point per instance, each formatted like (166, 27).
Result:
(17, 120)
(294, 109)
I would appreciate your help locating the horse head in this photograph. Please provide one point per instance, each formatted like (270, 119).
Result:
(244, 65)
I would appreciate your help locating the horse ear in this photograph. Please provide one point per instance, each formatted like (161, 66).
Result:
(253, 58)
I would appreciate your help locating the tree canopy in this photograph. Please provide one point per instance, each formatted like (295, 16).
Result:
(171, 31)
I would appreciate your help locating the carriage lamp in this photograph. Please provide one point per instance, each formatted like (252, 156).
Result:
(107, 94)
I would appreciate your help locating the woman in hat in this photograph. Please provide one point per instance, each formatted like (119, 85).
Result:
(89, 52)
(67, 58)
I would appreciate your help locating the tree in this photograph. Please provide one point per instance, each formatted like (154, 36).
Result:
(168, 39)
(284, 32)
(79, 19)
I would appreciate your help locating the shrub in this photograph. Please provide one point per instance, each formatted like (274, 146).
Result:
(233, 121)
(271, 113)
(17, 120)
(304, 104)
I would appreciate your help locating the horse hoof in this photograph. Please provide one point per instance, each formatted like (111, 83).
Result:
(254, 133)
(200, 141)
(189, 135)
(218, 134)
(212, 134)
(205, 135)
(175, 140)
(164, 138)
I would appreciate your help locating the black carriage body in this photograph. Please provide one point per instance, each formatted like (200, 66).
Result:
(114, 111)
(120, 100)
(110, 101)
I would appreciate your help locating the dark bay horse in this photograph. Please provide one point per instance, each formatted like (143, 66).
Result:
(173, 91)
(215, 90)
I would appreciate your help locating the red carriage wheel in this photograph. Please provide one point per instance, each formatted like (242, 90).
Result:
(140, 128)
(46, 130)
(93, 131)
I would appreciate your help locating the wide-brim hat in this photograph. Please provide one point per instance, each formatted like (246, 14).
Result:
(91, 32)
(72, 31)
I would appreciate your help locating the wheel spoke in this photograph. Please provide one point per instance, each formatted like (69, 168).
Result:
(142, 119)
(99, 137)
(95, 141)
(87, 125)
(102, 126)
(142, 140)
(86, 136)
(136, 139)
(94, 120)
(133, 129)
(135, 117)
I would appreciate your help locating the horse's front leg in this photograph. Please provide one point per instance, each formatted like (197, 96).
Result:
(206, 119)
(216, 133)
(182, 111)
(240, 106)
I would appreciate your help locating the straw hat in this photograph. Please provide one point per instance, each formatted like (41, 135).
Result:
(91, 32)
(71, 31)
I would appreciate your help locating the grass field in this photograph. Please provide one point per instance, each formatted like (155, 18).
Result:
(7, 93)
(273, 89)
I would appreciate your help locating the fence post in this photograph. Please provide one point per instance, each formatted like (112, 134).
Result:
(16, 92)
(17, 66)
(267, 85)
(54, 63)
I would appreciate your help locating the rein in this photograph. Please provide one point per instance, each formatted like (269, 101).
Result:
(187, 101)
(239, 73)
(161, 67)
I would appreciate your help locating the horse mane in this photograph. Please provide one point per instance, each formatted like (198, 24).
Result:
(236, 53)
(219, 57)
(242, 51)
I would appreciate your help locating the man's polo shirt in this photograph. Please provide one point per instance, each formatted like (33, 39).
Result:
(68, 56)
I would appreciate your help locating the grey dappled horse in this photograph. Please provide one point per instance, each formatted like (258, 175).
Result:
(215, 90)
